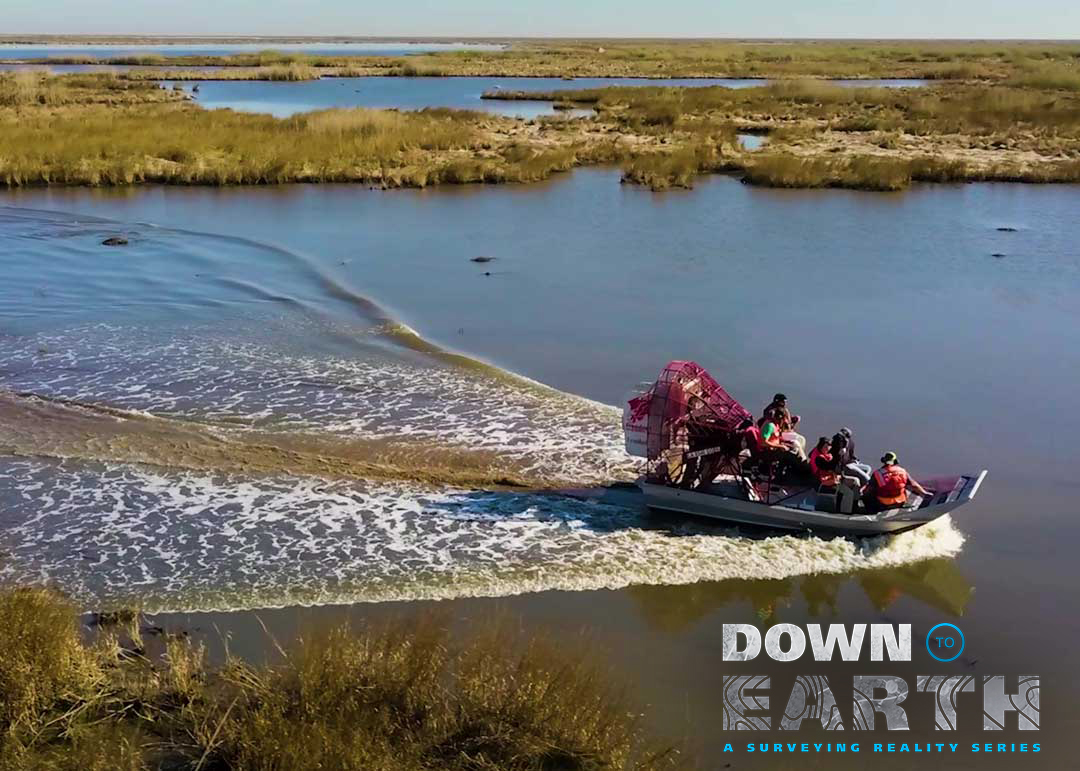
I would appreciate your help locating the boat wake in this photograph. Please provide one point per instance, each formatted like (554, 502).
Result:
(179, 436)
(114, 536)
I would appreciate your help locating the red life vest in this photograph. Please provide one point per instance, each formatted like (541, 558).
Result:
(891, 485)
(754, 441)
(825, 476)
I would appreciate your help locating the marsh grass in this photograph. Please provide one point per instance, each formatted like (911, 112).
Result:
(182, 144)
(945, 109)
(665, 59)
(32, 89)
(401, 697)
(677, 168)
(271, 72)
(107, 130)
(891, 174)
(861, 173)
(1049, 77)
(187, 145)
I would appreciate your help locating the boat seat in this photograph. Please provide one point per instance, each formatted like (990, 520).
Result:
(826, 499)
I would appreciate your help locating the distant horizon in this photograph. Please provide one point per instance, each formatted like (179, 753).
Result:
(1056, 20)
(8, 38)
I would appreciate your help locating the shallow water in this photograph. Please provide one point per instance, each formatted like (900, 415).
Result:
(285, 99)
(338, 311)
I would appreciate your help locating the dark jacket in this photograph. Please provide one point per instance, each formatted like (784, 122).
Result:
(843, 450)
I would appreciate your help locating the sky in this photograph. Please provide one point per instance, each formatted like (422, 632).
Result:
(1057, 19)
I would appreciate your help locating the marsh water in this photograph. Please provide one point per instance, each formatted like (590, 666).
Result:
(942, 323)
(285, 99)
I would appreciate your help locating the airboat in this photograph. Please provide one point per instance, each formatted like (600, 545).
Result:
(693, 436)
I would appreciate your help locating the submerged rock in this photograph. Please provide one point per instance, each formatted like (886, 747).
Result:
(115, 241)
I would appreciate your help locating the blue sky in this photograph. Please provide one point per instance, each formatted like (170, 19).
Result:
(651, 18)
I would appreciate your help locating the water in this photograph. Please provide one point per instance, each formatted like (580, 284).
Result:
(752, 141)
(107, 51)
(248, 326)
(283, 99)
(289, 98)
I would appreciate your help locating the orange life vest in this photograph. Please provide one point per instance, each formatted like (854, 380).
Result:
(825, 476)
(891, 485)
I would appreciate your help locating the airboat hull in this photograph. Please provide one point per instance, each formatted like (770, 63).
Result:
(800, 513)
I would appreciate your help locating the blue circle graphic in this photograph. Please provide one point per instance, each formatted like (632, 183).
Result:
(954, 656)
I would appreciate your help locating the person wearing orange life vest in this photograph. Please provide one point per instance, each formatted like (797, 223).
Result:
(823, 464)
(888, 485)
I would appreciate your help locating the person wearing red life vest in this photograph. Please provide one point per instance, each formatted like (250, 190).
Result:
(823, 464)
(889, 484)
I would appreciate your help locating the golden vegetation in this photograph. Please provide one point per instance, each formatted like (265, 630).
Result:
(106, 130)
(665, 59)
(187, 145)
(825, 135)
(36, 89)
(403, 698)
(69, 137)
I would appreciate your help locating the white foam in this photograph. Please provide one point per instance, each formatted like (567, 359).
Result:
(184, 542)
(548, 433)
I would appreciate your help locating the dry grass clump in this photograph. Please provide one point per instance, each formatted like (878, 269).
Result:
(44, 661)
(34, 89)
(408, 700)
(664, 170)
(890, 174)
(22, 89)
(277, 72)
(1049, 77)
(403, 698)
(862, 173)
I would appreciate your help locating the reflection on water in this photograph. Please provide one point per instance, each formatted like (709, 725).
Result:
(936, 583)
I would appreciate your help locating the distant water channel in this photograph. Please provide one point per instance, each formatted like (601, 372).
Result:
(288, 98)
